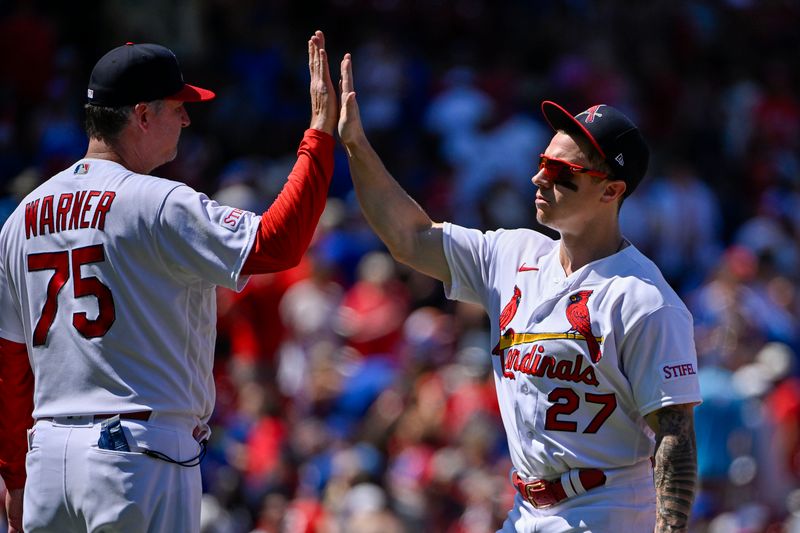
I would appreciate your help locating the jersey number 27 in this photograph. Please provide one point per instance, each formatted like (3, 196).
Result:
(571, 404)
(88, 286)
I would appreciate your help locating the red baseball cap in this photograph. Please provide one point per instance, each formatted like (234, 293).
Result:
(135, 73)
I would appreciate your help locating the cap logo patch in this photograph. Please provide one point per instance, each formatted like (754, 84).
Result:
(591, 113)
(620, 160)
(90, 93)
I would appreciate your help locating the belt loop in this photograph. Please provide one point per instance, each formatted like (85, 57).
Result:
(567, 484)
(575, 479)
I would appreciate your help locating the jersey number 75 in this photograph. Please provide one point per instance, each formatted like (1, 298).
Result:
(88, 286)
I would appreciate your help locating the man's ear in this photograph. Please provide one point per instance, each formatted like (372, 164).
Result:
(142, 113)
(614, 189)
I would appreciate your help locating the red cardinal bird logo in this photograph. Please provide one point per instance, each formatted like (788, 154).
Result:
(506, 315)
(578, 316)
(510, 309)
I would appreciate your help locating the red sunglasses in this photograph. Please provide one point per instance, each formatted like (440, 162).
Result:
(560, 170)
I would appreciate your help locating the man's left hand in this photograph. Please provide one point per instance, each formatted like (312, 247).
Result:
(324, 108)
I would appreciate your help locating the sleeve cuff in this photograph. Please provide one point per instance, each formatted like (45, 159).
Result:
(325, 138)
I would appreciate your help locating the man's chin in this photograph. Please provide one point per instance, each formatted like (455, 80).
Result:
(168, 159)
(542, 218)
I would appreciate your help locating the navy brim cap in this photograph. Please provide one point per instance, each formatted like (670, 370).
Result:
(135, 73)
(615, 137)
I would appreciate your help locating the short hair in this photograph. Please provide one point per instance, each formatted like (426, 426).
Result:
(106, 123)
(596, 161)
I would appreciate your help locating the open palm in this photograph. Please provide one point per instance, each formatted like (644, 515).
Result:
(350, 128)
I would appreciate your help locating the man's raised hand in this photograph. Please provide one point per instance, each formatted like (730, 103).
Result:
(350, 128)
(324, 112)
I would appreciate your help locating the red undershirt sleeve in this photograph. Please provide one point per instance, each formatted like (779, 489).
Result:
(16, 407)
(287, 226)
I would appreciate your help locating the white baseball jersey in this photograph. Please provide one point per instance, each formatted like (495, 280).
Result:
(109, 278)
(578, 359)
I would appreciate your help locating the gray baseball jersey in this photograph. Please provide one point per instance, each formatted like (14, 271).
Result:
(84, 258)
(579, 359)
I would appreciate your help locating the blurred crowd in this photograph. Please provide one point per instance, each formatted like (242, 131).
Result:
(352, 396)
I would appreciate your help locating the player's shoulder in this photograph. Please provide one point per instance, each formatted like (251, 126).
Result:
(146, 185)
(525, 245)
(48, 187)
(146, 191)
(502, 243)
(527, 241)
(640, 285)
(98, 174)
(524, 236)
(135, 194)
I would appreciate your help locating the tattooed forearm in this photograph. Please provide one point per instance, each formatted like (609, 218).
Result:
(675, 467)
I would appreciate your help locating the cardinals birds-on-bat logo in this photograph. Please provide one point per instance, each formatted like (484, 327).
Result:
(578, 317)
(577, 314)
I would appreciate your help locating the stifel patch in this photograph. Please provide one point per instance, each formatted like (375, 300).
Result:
(673, 370)
(231, 219)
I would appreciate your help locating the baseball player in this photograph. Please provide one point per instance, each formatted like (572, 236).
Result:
(593, 353)
(107, 288)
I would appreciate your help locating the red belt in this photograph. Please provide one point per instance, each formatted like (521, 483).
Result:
(137, 415)
(542, 493)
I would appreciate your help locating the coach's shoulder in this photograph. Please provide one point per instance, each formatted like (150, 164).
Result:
(149, 189)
